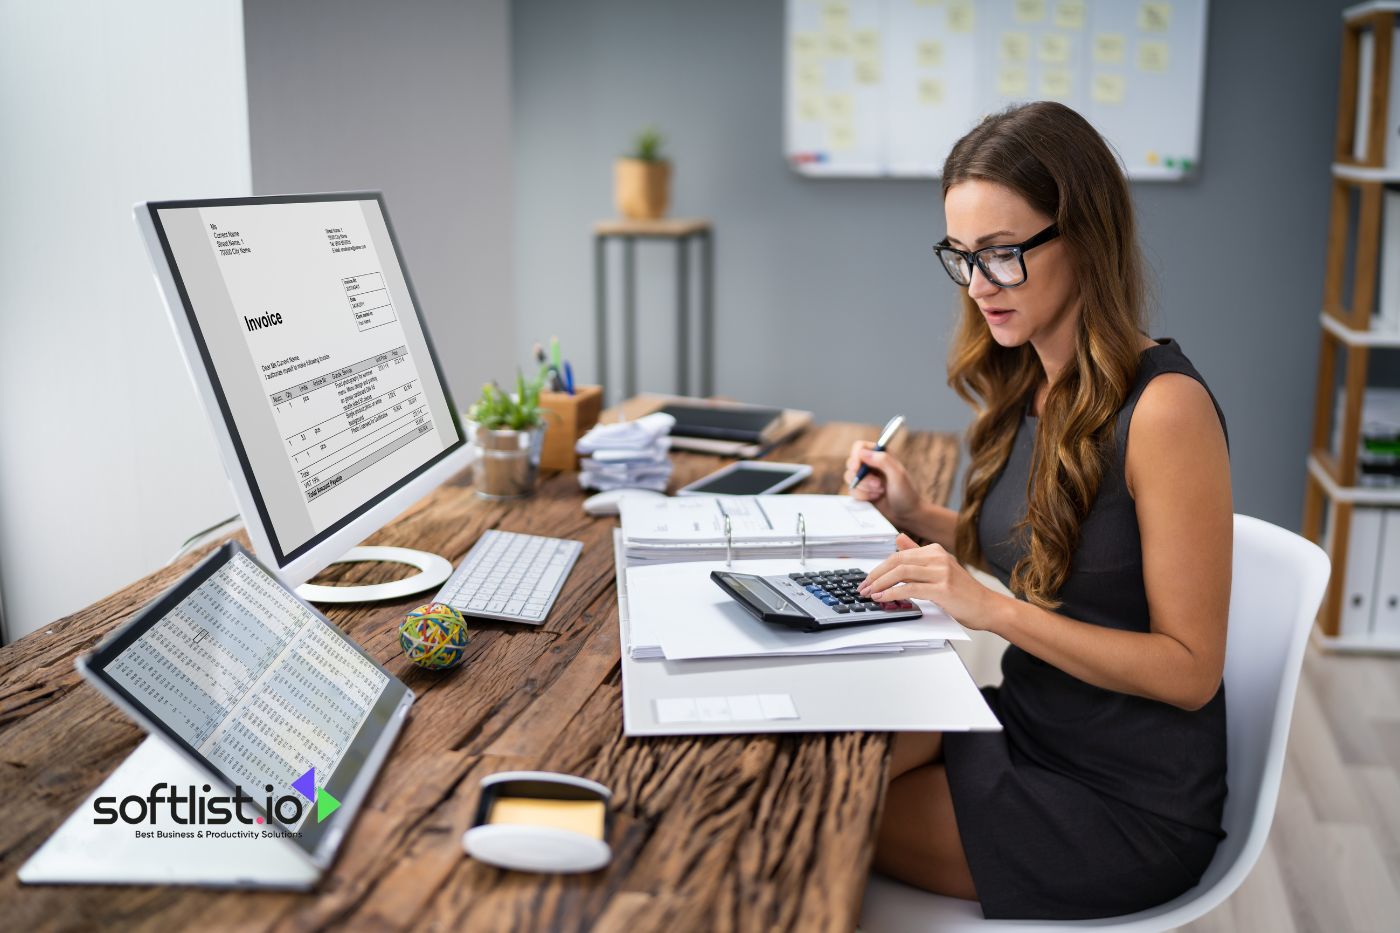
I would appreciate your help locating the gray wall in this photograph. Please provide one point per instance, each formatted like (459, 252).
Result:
(827, 295)
(412, 99)
(106, 460)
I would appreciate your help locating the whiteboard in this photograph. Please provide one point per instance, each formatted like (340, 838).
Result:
(886, 87)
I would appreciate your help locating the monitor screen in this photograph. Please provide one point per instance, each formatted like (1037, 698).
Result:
(316, 350)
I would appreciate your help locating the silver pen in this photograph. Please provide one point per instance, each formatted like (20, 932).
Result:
(886, 436)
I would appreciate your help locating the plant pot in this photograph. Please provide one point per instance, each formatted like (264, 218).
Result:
(507, 462)
(642, 189)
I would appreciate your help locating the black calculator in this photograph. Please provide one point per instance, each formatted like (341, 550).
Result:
(812, 601)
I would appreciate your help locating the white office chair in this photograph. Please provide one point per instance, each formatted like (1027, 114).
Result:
(1278, 582)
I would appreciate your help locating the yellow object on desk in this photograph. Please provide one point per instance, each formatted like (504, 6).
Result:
(579, 816)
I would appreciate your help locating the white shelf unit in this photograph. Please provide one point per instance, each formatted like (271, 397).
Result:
(1360, 174)
(1375, 339)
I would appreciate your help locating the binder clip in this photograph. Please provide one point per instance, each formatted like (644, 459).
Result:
(728, 542)
(802, 538)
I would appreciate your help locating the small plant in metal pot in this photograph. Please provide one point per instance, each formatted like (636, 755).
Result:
(508, 432)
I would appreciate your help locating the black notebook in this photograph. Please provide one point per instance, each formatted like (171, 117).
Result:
(748, 424)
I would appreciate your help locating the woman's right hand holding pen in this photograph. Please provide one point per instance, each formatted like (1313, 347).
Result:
(887, 485)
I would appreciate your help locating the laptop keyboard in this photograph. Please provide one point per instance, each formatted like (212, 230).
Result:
(510, 576)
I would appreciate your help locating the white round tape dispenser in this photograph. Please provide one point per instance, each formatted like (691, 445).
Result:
(541, 821)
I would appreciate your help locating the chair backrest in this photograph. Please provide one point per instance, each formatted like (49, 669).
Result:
(1277, 586)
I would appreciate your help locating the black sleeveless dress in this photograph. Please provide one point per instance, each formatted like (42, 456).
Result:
(1089, 803)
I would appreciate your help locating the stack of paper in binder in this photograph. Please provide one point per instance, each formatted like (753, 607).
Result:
(627, 454)
(670, 608)
(693, 528)
(1378, 456)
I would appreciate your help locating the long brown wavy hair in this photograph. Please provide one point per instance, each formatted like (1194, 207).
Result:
(1052, 157)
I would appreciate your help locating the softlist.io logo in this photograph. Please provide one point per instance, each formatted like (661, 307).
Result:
(198, 808)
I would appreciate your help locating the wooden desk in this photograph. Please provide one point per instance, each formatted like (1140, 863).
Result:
(736, 832)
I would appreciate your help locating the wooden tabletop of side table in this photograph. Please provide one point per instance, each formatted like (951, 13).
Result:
(759, 832)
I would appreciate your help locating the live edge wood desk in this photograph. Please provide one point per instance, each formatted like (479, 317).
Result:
(720, 833)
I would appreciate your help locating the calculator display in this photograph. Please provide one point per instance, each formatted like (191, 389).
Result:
(759, 592)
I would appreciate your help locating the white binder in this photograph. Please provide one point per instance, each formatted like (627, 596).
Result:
(1386, 616)
(1359, 584)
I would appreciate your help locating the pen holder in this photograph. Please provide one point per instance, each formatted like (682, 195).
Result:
(569, 417)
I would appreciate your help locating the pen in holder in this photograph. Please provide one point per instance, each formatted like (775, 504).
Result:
(802, 538)
(728, 542)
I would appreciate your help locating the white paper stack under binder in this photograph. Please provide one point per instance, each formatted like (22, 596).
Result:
(678, 613)
(670, 546)
(692, 528)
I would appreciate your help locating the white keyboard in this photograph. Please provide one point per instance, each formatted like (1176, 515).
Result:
(510, 576)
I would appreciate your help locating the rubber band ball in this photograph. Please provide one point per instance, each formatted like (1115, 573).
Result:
(434, 636)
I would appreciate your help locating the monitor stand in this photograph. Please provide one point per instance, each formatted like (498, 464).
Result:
(433, 572)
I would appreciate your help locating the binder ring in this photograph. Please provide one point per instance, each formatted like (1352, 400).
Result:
(802, 538)
(728, 542)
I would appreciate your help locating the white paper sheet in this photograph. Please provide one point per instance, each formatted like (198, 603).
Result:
(678, 608)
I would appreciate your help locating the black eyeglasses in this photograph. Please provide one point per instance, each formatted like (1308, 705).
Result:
(1004, 266)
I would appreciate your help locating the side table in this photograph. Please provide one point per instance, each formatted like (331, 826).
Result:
(682, 232)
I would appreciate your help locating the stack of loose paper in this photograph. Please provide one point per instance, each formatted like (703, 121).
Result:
(678, 613)
(627, 454)
(692, 528)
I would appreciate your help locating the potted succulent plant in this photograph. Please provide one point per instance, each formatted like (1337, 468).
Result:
(642, 180)
(508, 431)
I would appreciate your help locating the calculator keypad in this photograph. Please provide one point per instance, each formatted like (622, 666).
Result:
(834, 594)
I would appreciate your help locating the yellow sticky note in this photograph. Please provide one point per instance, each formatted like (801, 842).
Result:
(842, 137)
(838, 106)
(1014, 47)
(1012, 81)
(1056, 83)
(867, 71)
(809, 76)
(838, 44)
(867, 42)
(580, 816)
(960, 16)
(1108, 48)
(1069, 14)
(835, 17)
(930, 54)
(809, 107)
(806, 43)
(1029, 11)
(1154, 16)
(930, 92)
(1152, 56)
(1054, 48)
(1108, 89)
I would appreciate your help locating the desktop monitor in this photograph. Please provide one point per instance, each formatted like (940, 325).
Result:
(306, 342)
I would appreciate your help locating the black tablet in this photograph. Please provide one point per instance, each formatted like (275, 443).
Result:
(722, 422)
(261, 690)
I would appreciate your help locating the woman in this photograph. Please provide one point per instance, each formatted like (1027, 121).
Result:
(1099, 492)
